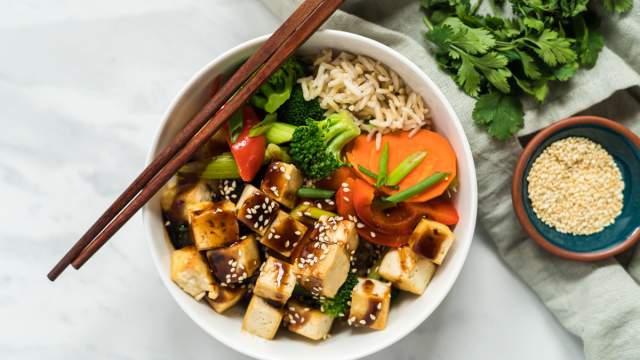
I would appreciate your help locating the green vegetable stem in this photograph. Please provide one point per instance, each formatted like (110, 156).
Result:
(416, 189)
(405, 167)
(314, 193)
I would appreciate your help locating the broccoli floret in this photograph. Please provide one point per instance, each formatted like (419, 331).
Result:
(277, 89)
(339, 304)
(316, 147)
(297, 110)
(336, 306)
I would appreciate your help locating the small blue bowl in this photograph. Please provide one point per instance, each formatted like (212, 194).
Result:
(624, 147)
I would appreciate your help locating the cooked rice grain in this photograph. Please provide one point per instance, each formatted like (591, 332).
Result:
(376, 95)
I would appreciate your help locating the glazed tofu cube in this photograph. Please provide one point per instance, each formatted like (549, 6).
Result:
(284, 234)
(322, 263)
(406, 270)
(227, 298)
(191, 273)
(213, 224)
(281, 183)
(370, 304)
(256, 210)
(432, 240)
(178, 199)
(308, 322)
(276, 281)
(236, 263)
(261, 318)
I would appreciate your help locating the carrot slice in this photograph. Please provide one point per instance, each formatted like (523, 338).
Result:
(440, 158)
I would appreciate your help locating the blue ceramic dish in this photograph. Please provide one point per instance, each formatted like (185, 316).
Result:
(624, 147)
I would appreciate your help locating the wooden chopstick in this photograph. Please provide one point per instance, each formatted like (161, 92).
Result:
(238, 78)
(303, 29)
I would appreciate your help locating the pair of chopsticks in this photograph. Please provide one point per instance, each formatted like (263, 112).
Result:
(234, 93)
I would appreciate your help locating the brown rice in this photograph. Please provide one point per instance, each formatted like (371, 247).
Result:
(374, 94)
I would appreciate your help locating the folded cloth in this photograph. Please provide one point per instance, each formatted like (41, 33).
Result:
(598, 302)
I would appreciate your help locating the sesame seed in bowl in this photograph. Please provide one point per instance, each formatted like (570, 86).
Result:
(576, 188)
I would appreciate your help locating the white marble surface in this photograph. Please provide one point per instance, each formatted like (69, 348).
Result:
(83, 85)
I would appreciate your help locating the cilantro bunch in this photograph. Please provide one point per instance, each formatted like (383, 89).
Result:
(497, 59)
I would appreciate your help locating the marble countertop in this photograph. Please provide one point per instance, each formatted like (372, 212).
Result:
(83, 85)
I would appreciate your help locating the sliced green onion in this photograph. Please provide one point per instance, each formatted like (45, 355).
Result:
(383, 165)
(417, 188)
(405, 167)
(367, 172)
(264, 125)
(279, 133)
(313, 193)
(303, 210)
(222, 166)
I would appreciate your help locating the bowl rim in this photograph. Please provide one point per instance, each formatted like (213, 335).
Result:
(413, 322)
(518, 179)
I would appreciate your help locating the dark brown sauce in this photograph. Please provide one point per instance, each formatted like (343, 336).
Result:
(274, 303)
(257, 199)
(275, 178)
(219, 262)
(286, 236)
(299, 315)
(372, 309)
(426, 245)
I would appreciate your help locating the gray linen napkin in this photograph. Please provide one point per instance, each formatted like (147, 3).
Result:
(598, 302)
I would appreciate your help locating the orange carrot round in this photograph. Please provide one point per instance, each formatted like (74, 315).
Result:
(440, 158)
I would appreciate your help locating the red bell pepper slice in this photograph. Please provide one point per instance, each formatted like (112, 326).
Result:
(345, 207)
(440, 210)
(247, 151)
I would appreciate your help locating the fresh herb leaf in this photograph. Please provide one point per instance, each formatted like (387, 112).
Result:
(566, 71)
(499, 58)
(554, 49)
(501, 114)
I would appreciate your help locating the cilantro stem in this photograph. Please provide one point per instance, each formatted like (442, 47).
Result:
(475, 7)
(427, 22)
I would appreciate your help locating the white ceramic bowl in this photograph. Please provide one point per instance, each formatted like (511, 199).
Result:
(409, 311)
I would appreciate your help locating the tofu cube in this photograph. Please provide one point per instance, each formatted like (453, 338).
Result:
(213, 224)
(256, 210)
(227, 298)
(281, 183)
(370, 301)
(276, 281)
(191, 273)
(406, 270)
(236, 263)
(177, 199)
(308, 322)
(322, 262)
(284, 234)
(432, 240)
(261, 318)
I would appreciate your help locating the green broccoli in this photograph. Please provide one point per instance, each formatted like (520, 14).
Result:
(339, 304)
(297, 110)
(277, 89)
(316, 147)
